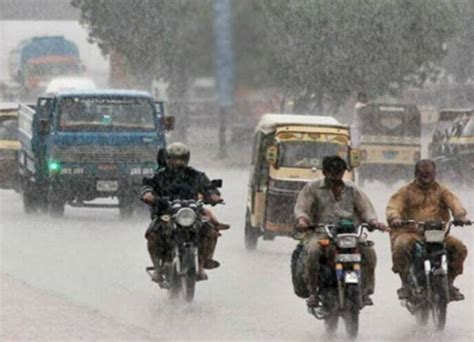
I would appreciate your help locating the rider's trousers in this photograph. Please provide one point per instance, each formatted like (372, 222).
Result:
(403, 243)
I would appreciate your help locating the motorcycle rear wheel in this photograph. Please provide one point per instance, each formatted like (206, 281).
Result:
(351, 310)
(331, 323)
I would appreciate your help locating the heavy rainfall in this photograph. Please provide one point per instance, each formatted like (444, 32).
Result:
(256, 94)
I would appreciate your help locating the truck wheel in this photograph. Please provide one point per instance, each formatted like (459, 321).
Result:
(56, 208)
(29, 198)
(126, 206)
(251, 235)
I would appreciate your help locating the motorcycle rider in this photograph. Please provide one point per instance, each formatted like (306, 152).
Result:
(177, 180)
(424, 199)
(329, 200)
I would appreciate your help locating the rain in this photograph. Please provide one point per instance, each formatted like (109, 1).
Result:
(397, 76)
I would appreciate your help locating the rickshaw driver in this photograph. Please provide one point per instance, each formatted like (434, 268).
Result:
(329, 200)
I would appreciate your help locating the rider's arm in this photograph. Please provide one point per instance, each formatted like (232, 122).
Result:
(148, 193)
(206, 189)
(364, 206)
(396, 205)
(454, 204)
(304, 203)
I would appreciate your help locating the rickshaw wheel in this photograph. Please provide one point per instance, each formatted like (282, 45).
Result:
(251, 235)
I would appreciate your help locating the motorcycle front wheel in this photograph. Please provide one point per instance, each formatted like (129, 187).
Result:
(188, 279)
(351, 310)
(422, 314)
(439, 306)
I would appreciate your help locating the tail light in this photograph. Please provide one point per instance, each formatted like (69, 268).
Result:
(363, 155)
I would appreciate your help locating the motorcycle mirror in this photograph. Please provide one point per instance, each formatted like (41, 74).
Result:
(217, 183)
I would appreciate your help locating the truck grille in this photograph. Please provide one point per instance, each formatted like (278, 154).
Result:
(105, 154)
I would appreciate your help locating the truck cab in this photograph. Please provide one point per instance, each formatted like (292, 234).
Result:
(77, 146)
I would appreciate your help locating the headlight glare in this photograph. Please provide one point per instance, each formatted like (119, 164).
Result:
(185, 217)
(347, 241)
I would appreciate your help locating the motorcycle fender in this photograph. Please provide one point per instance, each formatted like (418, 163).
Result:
(427, 266)
(351, 277)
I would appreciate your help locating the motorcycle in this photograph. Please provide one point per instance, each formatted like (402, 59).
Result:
(186, 222)
(428, 277)
(340, 292)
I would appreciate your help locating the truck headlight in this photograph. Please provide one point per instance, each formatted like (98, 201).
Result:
(54, 166)
(347, 241)
(185, 217)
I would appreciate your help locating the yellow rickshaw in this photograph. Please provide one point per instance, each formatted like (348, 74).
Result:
(390, 143)
(452, 146)
(287, 153)
(9, 146)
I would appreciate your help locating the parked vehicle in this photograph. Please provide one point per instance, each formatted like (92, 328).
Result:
(77, 146)
(186, 221)
(340, 292)
(37, 60)
(9, 146)
(390, 142)
(287, 153)
(69, 83)
(428, 282)
(452, 146)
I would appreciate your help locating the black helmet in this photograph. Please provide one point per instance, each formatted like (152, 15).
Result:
(178, 150)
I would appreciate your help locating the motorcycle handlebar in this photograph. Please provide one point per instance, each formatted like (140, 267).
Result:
(454, 222)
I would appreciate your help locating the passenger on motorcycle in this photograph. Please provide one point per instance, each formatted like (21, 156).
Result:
(329, 200)
(424, 199)
(177, 180)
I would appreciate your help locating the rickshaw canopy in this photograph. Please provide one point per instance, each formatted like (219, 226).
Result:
(269, 122)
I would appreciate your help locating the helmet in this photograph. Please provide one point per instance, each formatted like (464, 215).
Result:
(178, 150)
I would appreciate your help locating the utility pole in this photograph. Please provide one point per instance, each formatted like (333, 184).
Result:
(224, 59)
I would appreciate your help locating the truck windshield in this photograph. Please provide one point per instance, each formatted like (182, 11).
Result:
(49, 69)
(469, 129)
(309, 154)
(8, 129)
(106, 114)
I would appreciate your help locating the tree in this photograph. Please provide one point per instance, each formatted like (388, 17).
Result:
(158, 39)
(326, 50)
(460, 59)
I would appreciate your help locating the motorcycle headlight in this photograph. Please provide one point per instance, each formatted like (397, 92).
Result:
(346, 241)
(185, 217)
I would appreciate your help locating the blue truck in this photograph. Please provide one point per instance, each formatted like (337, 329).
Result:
(77, 146)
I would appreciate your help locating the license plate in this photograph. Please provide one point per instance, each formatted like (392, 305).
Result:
(351, 278)
(107, 186)
(434, 235)
(348, 258)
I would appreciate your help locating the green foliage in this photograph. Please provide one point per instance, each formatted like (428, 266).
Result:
(460, 60)
(329, 49)
(318, 51)
(158, 38)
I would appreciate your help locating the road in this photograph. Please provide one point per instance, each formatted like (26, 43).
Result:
(94, 262)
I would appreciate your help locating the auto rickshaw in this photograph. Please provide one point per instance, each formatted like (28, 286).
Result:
(9, 146)
(452, 146)
(287, 153)
(390, 142)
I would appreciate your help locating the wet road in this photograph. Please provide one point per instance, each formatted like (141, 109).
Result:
(90, 257)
